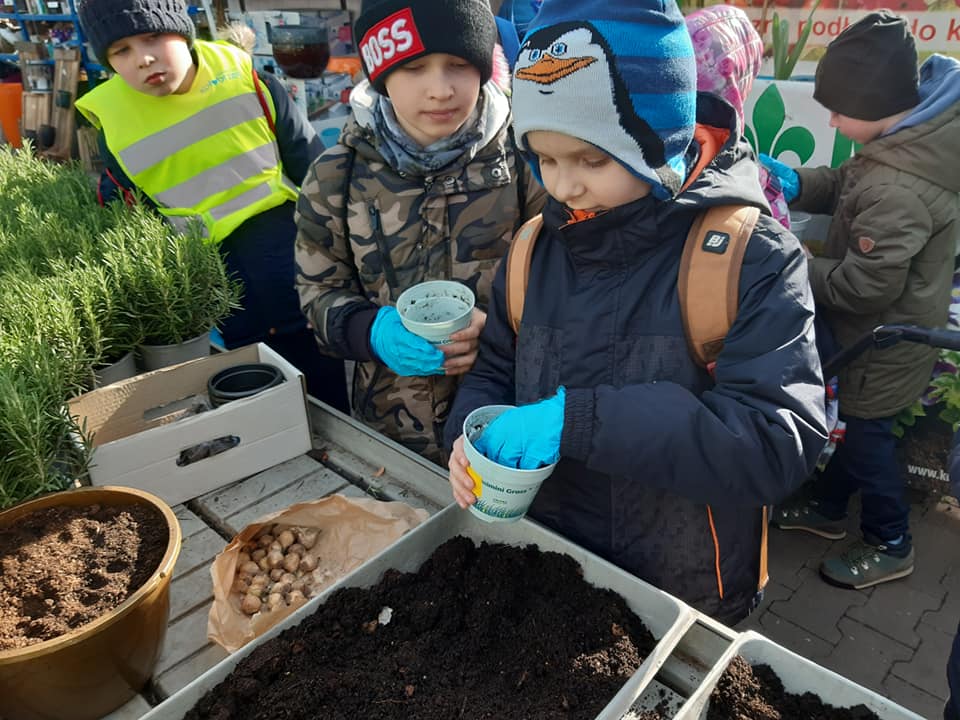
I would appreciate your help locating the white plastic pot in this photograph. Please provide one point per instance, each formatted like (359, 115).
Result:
(436, 309)
(504, 494)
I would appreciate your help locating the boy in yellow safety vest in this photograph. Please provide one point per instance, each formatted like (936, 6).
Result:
(202, 137)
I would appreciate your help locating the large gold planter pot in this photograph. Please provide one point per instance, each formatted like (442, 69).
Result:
(87, 673)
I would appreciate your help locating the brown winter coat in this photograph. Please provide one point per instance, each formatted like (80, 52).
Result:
(889, 254)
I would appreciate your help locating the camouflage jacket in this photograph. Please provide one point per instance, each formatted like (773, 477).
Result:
(395, 231)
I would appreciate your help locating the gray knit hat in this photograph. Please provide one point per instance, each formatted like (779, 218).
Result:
(105, 21)
(870, 71)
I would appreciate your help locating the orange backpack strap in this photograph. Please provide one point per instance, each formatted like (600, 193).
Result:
(518, 268)
(764, 572)
(709, 279)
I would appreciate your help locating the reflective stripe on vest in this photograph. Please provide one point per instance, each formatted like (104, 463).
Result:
(208, 154)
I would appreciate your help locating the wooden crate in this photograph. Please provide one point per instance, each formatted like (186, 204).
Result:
(36, 112)
(62, 117)
(36, 73)
(88, 149)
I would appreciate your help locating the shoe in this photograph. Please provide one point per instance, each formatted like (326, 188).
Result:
(804, 515)
(863, 565)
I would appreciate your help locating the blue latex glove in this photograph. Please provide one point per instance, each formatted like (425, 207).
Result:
(400, 350)
(789, 180)
(526, 437)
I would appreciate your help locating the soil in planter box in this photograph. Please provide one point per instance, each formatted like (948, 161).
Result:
(756, 692)
(478, 632)
(62, 567)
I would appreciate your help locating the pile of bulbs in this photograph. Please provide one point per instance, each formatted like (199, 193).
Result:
(276, 568)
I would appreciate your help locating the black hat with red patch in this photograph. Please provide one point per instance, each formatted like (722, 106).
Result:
(390, 33)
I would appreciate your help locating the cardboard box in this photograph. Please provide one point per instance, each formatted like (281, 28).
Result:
(146, 435)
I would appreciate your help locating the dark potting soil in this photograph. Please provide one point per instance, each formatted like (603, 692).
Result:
(756, 692)
(62, 567)
(478, 632)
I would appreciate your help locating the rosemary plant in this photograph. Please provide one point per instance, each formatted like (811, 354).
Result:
(41, 448)
(177, 285)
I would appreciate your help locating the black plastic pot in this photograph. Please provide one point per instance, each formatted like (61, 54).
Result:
(240, 381)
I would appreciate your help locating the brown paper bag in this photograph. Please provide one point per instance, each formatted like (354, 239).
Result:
(352, 530)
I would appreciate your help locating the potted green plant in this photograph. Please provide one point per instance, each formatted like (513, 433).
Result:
(38, 438)
(176, 285)
(785, 57)
(111, 330)
(926, 428)
(48, 212)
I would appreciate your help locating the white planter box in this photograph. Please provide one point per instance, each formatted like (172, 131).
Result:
(141, 432)
(798, 675)
(665, 616)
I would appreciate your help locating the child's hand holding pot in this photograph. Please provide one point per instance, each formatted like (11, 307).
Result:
(460, 481)
(461, 351)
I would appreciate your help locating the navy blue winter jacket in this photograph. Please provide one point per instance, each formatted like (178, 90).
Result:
(663, 471)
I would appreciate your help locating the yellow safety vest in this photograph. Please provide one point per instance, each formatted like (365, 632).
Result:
(208, 154)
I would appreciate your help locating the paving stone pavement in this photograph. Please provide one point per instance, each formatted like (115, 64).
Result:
(893, 638)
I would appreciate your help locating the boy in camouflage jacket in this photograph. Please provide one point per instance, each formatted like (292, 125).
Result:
(425, 184)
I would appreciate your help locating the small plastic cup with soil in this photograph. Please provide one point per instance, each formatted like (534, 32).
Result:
(436, 309)
(504, 494)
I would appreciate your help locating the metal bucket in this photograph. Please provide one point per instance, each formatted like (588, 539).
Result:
(798, 675)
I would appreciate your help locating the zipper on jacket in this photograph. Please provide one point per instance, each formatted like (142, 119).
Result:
(374, 379)
(386, 261)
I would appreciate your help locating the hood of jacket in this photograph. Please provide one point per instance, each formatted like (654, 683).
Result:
(360, 133)
(622, 235)
(927, 142)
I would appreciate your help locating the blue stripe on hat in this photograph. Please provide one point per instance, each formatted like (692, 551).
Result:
(662, 111)
(653, 58)
(654, 39)
(654, 75)
(675, 141)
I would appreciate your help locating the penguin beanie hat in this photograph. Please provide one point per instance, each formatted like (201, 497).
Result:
(870, 71)
(106, 21)
(620, 76)
(390, 33)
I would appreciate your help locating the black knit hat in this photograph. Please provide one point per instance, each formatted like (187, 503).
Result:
(389, 33)
(870, 71)
(106, 21)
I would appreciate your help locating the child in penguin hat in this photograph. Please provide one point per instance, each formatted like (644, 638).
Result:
(662, 468)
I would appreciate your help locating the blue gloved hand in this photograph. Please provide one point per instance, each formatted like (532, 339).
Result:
(789, 180)
(526, 437)
(400, 350)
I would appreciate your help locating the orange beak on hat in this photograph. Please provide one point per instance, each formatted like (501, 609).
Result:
(549, 69)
